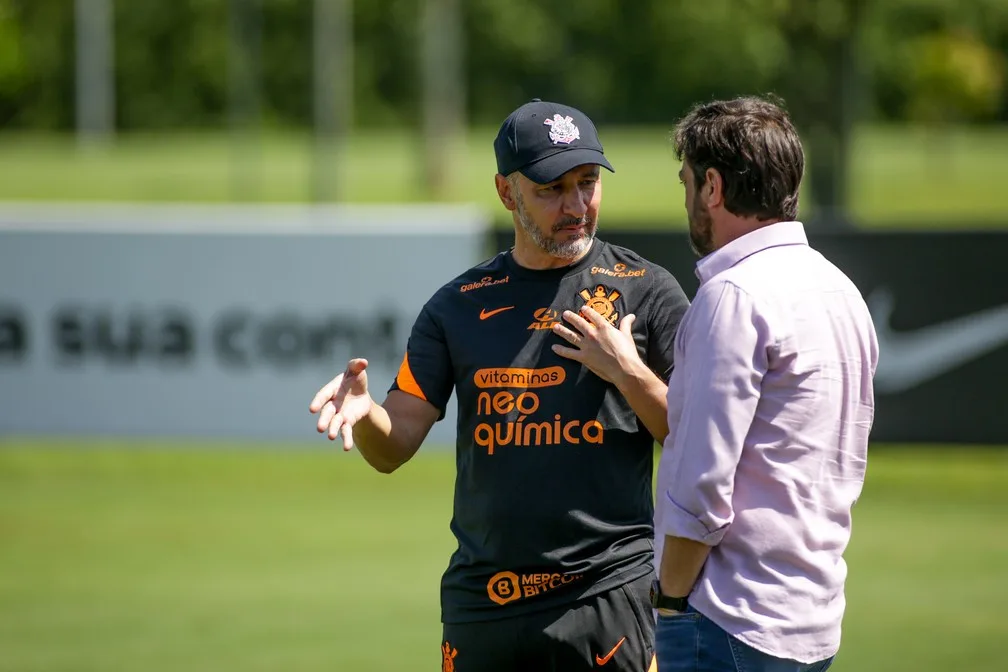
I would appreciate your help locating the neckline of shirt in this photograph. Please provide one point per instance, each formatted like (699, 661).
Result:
(554, 273)
(763, 238)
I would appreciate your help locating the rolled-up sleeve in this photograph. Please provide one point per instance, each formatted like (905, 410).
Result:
(724, 349)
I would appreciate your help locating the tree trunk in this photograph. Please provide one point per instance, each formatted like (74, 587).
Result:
(825, 111)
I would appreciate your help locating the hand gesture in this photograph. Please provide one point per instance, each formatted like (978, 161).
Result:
(607, 351)
(343, 402)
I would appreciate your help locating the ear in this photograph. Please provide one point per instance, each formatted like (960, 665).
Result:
(713, 188)
(504, 192)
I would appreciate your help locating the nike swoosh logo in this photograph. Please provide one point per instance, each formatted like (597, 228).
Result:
(484, 314)
(907, 359)
(602, 660)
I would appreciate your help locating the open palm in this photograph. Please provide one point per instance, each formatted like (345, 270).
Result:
(343, 402)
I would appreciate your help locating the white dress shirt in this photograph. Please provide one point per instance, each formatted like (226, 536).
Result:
(769, 411)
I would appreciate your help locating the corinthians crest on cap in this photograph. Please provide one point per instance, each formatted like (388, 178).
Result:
(562, 130)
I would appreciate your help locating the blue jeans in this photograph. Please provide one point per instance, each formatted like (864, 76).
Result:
(691, 642)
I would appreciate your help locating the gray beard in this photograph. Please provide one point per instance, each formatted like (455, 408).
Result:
(571, 249)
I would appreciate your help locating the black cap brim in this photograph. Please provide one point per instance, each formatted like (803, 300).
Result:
(552, 167)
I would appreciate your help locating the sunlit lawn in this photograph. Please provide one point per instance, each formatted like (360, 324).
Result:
(899, 177)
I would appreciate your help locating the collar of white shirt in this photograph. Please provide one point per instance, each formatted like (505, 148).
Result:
(765, 237)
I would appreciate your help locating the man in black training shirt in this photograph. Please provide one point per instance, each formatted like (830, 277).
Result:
(559, 351)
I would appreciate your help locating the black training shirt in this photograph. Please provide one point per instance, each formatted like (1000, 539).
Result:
(553, 497)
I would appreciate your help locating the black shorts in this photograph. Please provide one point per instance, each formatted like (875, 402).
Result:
(611, 632)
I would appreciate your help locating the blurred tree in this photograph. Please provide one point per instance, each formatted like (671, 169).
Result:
(677, 53)
(954, 77)
(171, 63)
(823, 89)
(442, 73)
(13, 69)
(908, 40)
(645, 61)
(387, 72)
(45, 98)
(332, 70)
(94, 82)
(244, 66)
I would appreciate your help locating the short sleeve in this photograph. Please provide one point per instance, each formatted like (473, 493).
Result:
(426, 369)
(668, 304)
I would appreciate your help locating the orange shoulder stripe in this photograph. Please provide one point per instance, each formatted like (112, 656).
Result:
(406, 381)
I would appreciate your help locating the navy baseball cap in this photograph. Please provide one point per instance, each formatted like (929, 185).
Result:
(544, 140)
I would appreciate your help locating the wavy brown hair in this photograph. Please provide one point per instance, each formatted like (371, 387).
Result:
(754, 146)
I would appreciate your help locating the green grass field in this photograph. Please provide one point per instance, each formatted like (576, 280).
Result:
(165, 557)
(900, 177)
(187, 557)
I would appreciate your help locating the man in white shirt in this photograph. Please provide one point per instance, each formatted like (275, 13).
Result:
(769, 412)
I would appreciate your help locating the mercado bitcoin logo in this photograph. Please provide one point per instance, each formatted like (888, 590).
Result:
(602, 300)
(505, 587)
(483, 282)
(513, 407)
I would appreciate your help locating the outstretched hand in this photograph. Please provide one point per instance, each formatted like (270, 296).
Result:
(342, 402)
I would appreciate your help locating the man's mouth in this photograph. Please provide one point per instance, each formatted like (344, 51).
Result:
(573, 227)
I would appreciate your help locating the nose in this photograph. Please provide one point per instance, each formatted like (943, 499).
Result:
(575, 203)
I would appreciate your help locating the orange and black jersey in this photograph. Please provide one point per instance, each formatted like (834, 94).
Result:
(553, 496)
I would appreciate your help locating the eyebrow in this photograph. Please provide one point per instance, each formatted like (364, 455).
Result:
(594, 172)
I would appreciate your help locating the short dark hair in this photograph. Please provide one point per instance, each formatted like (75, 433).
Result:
(752, 143)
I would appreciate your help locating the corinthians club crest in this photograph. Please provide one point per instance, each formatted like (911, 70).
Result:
(563, 130)
(602, 302)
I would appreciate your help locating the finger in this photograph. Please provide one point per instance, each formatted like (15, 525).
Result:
(349, 380)
(347, 433)
(356, 366)
(566, 334)
(354, 369)
(593, 316)
(569, 353)
(326, 416)
(626, 323)
(335, 426)
(580, 323)
(325, 394)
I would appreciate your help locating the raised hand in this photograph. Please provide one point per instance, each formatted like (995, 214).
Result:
(342, 402)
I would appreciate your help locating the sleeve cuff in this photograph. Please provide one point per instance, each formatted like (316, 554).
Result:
(678, 522)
